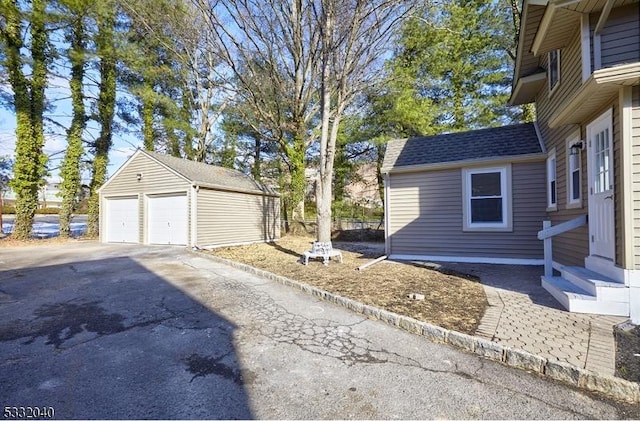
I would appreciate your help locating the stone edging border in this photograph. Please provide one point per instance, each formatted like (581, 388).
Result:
(566, 373)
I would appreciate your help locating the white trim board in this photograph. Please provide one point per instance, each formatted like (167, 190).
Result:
(468, 259)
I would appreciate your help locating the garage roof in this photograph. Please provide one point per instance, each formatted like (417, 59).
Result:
(475, 145)
(204, 175)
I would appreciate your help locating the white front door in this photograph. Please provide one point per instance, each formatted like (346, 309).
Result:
(167, 219)
(601, 198)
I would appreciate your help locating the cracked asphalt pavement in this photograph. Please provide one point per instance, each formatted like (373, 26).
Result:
(123, 331)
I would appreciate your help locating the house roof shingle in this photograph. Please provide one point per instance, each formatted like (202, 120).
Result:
(204, 174)
(506, 141)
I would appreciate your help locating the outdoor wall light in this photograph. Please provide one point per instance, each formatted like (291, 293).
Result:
(139, 176)
(576, 148)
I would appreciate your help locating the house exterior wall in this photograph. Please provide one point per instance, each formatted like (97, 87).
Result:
(426, 218)
(635, 139)
(573, 246)
(156, 179)
(225, 218)
(619, 38)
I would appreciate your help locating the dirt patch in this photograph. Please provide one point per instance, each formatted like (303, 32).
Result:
(8, 241)
(451, 301)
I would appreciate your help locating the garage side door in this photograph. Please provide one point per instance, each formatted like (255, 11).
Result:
(168, 219)
(122, 220)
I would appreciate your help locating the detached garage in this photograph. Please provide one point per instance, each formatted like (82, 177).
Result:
(160, 199)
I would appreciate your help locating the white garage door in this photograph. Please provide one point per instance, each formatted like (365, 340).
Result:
(122, 220)
(168, 219)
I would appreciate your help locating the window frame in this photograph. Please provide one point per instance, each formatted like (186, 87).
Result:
(552, 158)
(505, 194)
(553, 84)
(571, 201)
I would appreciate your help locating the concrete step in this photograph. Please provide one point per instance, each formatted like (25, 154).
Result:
(603, 287)
(577, 300)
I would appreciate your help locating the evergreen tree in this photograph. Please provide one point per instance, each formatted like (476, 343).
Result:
(76, 35)
(105, 49)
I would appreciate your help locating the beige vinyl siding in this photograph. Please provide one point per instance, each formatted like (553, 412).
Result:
(635, 139)
(155, 179)
(425, 216)
(225, 217)
(573, 246)
(619, 39)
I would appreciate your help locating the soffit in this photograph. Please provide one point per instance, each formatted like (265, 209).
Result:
(598, 90)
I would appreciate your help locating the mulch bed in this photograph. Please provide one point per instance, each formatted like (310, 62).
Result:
(452, 301)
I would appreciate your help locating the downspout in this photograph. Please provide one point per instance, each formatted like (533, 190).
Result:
(387, 239)
(597, 47)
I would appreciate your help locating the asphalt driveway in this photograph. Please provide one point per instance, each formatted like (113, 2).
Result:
(118, 331)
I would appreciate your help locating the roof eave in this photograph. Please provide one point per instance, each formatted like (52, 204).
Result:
(532, 157)
(603, 84)
(526, 88)
(553, 31)
(234, 189)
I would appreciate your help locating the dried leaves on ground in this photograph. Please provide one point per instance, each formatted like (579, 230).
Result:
(451, 301)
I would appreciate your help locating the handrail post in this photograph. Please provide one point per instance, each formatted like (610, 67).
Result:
(548, 251)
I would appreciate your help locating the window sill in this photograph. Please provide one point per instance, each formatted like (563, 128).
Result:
(553, 208)
(575, 205)
(487, 229)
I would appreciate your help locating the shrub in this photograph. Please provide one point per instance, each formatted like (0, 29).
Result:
(47, 211)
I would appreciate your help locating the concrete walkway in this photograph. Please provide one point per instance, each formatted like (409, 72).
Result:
(521, 314)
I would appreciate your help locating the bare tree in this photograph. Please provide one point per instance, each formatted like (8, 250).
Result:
(355, 35)
(270, 48)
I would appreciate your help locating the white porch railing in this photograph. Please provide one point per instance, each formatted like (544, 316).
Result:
(547, 234)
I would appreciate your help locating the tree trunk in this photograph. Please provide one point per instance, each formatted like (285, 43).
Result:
(106, 107)
(29, 107)
(298, 179)
(147, 119)
(70, 173)
(323, 191)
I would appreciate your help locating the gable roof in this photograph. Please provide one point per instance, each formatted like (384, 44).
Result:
(474, 145)
(204, 175)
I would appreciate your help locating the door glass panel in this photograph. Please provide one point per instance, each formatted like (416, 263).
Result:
(602, 154)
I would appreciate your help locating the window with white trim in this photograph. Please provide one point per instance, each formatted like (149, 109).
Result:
(487, 199)
(553, 69)
(552, 191)
(574, 172)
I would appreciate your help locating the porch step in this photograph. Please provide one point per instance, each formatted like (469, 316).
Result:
(578, 300)
(603, 287)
